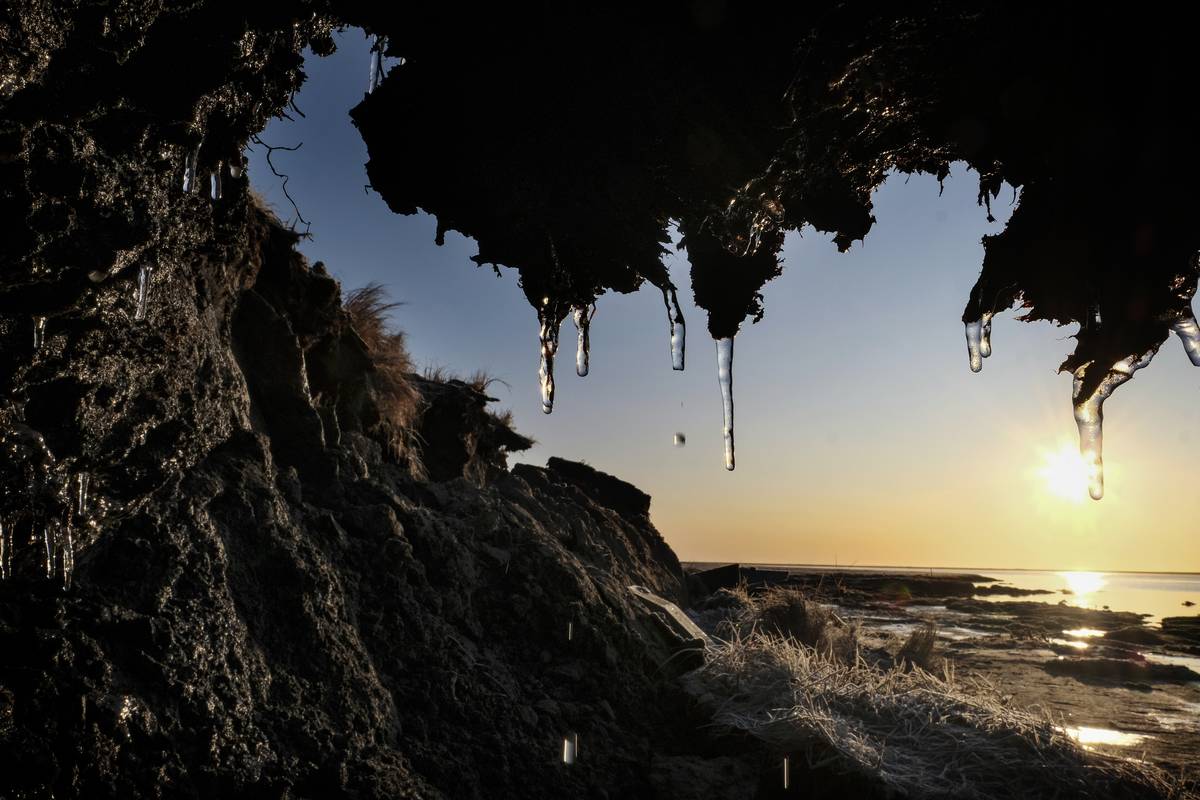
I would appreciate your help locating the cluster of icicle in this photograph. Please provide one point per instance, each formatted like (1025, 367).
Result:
(548, 326)
(1089, 409)
(192, 180)
(57, 535)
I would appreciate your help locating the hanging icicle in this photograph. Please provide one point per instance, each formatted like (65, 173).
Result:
(548, 346)
(376, 76)
(582, 317)
(677, 327)
(1189, 333)
(145, 275)
(39, 332)
(725, 379)
(1089, 415)
(214, 177)
(190, 167)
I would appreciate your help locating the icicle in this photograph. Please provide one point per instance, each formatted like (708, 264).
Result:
(190, 168)
(975, 344)
(82, 480)
(214, 179)
(570, 748)
(1189, 333)
(376, 77)
(985, 336)
(67, 545)
(51, 547)
(582, 317)
(5, 546)
(39, 332)
(1089, 415)
(725, 379)
(570, 631)
(787, 773)
(145, 274)
(677, 327)
(548, 337)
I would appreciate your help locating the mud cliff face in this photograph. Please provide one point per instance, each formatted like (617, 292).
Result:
(221, 577)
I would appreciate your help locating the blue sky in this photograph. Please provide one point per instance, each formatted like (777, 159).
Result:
(863, 438)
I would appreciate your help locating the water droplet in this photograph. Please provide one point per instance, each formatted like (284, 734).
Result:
(1189, 333)
(677, 327)
(39, 332)
(1089, 415)
(145, 274)
(680, 440)
(582, 317)
(570, 748)
(548, 339)
(725, 379)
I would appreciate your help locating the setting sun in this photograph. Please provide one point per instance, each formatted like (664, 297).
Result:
(1064, 473)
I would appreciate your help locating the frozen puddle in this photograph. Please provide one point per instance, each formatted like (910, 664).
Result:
(953, 632)
(1105, 736)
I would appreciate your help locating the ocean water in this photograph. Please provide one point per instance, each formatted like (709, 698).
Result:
(1159, 594)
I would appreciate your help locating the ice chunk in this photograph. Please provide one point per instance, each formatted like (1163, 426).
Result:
(548, 339)
(39, 332)
(677, 327)
(145, 275)
(725, 379)
(582, 316)
(975, 344)
(1189, 333)
(1089, 414)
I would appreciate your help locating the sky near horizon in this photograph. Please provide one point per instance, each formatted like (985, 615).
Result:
(862, 436)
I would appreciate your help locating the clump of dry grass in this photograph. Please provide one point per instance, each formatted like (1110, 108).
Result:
(915, 733)
(398, 401)
(919, 649)
(787, 612)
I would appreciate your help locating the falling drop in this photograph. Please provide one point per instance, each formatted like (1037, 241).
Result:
(570, 748)
(677, 327)
(582, 316)
(1189, 333)
(51, 547)
(985, 337)
(725, 379)
(548, 338)
(1089, 415)
(190, 162)
(214, 179)
(39, 332)
(680, 439)
(145, 274)
(975, 344)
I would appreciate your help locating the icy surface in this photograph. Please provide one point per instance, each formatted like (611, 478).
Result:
(548, 339)
(677, 327)
(725, 379)
(1089, 415)
(145, 274)
(582, 316)
(1189, 333)
(975, 344)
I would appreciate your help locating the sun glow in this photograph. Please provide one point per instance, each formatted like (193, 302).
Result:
(1065, 473)
(1081, 584)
